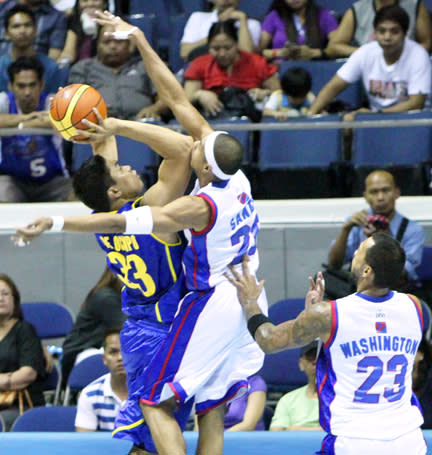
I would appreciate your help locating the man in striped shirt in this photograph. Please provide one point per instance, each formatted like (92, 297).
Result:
(100, 401)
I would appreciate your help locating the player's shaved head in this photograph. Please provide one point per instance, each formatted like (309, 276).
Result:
(228, 153)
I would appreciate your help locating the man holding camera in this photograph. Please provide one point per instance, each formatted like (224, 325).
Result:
(380, 193)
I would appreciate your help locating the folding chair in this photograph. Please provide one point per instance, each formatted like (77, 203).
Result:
(47, 419)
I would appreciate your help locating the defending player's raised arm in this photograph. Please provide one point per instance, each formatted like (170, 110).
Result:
(314, 322)
(168, 88)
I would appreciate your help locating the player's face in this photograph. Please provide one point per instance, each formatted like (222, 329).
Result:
(359, 258)
(127, 181)
(224, 50)
(390, 37)
(21, 30)
(381, 194)
(112, 355)
(27, 89)
(6, 300)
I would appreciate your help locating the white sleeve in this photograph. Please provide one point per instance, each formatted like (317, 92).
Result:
(352, 70)
(420, 74)
(85, 417)
(194, 30)
(273, 102)
(4, 103)
(254, 27)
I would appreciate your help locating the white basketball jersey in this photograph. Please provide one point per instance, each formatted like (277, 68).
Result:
(364, 369)
(231, 233)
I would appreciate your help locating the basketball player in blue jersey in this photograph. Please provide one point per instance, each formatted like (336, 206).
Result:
(148, 265)
(208, 353)
(364, 369)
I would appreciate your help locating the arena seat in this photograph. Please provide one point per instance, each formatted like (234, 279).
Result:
(322, 71)
(83, 373)
(146, 23)
(177, 27)
(190, 6)
(338, 7)
(47, 418)
(255, 9)
(50, 319)
(403, 151)
(299, 164)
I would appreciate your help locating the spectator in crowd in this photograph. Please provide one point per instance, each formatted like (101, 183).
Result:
(246, 413)
(20, 27)
(100, 311)
(299, 409)
(51, 26)
(422, 381)
(356, 27)
(395, 71)
(100, 401)
(121, 79)
(227, 66)
(296, 29)
(295, 98)
(32, 168)
(194, 41)
(81, 38)
(381, 194)
(22, 362)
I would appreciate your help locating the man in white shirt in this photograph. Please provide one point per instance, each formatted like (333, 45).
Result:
(199, 23)
(99, 402)
(395, 71)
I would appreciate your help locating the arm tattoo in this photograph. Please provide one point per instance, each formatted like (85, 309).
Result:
(315, 323)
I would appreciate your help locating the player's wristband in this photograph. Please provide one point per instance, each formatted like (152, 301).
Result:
(57, 223)
(255, 321)
(139, 221)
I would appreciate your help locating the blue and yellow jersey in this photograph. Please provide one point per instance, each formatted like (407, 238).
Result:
(148, 268)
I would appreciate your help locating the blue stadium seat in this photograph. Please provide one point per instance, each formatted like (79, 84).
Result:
(47, 418)
(147, 23)
(190, 6)
(284, 310)
(424, 270)
(52, 383)
(177, 27)
(83, 373)
(322, 71)
(394, 145)
(2, 424)
(255, 8)
(283, 149)
(50, 319)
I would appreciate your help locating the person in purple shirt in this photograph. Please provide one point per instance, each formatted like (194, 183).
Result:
(246, 413)
(296, 29)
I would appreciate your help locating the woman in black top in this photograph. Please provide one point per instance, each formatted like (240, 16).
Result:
(22, 361)
(100, 311)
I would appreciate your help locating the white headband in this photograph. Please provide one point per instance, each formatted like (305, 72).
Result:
(209, 155)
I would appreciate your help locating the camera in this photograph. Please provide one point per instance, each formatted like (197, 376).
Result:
(379, 222)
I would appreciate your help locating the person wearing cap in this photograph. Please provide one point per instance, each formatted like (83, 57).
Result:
(208, 354)
(299, 409)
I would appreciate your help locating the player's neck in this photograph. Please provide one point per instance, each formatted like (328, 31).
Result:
(371, 290)
(118, 204)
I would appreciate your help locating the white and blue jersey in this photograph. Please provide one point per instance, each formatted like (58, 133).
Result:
(33, 158)
(231, 233)
(209, 353)
(364, 369)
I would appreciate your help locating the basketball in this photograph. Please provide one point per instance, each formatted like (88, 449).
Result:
(71, 105)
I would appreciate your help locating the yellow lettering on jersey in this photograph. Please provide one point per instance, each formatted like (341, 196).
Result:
(125, 243)
(106, 242)
(133, 272)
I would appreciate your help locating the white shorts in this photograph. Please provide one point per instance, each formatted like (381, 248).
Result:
(411, 443)
(209, 352)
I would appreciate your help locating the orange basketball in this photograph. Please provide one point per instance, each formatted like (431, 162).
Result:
(71, 105)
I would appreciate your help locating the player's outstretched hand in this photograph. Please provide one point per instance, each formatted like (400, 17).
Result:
(316, 290)
(248, 290)
(123, 30)
(26, 234)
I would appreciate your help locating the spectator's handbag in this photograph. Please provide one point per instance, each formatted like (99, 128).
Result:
(238, 103)
(8, 398)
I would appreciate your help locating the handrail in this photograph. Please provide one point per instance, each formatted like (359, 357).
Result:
(297, 125)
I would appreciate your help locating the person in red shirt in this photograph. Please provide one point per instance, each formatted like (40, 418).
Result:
(227, 66)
